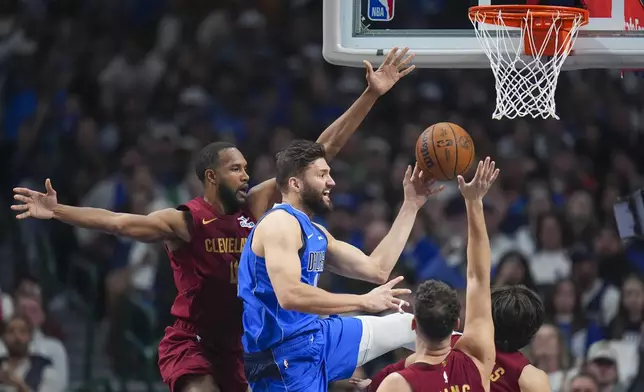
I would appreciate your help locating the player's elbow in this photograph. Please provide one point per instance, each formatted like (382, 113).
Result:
(289, 297)
(137, 227)
(379, 277)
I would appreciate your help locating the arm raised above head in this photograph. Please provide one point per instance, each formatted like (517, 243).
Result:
(347, 260)
(396, 65)
(478, 332)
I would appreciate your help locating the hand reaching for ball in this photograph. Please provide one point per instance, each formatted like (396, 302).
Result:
(483, 180)
(418, 186)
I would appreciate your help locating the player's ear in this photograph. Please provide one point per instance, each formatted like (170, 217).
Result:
(295, 183)
(210, 176)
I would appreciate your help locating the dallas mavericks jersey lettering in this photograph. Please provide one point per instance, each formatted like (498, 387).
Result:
(265, 322)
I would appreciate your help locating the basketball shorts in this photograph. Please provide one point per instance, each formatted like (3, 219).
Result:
(308, 362)
(181, 354)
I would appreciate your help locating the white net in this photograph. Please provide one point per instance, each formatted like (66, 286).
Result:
(526, 84)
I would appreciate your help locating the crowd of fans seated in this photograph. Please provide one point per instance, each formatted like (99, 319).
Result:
(111, 99)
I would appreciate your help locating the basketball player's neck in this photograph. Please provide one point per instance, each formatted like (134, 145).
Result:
(432, 353)
(296, 202)
(214, 200)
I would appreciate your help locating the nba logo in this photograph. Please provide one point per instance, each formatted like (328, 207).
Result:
(381, 10)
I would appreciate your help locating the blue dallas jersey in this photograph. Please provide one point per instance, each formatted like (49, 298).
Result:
(266, 323)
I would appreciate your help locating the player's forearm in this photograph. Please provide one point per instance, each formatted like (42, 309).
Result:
(478, 243)
(310, 299)
(338, 133)
(100, 219)
(391, 247)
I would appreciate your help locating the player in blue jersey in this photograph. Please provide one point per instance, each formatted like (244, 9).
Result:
(288, 346)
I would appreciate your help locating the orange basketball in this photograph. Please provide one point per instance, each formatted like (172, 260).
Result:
(444, 151)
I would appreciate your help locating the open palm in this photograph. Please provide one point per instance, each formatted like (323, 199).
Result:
(395, 67)
(483, 180)
(35, 204)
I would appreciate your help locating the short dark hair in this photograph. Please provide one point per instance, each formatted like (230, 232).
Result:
(208, 158)
(295, 158)
(518, 313)
(436, 309)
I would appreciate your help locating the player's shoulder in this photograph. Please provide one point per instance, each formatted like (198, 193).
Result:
(395, 382)
(277, 222)
(533, 379)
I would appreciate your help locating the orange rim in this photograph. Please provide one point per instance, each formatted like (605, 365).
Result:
(514, 15)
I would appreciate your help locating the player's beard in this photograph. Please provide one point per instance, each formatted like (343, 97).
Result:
(228, 198)
(314, 200)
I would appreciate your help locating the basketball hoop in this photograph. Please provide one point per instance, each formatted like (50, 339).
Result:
(526, 76)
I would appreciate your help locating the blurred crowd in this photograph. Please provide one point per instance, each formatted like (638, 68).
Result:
(111, 99)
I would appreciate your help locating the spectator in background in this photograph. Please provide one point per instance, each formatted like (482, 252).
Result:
(539, 202)
(6, 306)
(30, 288)
(602, 364)
(599, 299)
(614, 263)
(550, 262)
(583, 382)
(563, 309)
(513, 270)
(47, 347)
(627, 324)
(20, 371)
(581, 217)
(549, 353)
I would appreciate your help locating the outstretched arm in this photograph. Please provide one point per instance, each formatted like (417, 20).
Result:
(478, 333)
(347, 260)
(278, 238)
(168, 224)
(394, 67)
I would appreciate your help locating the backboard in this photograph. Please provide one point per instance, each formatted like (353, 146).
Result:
(441, 35)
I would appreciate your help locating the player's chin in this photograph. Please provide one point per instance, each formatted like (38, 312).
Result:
(241, 196)
(328, 204)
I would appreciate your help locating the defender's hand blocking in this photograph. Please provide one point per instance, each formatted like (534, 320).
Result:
(418, 186)
(35, 204)
(395, 67)
(384, 297)
(483, 180)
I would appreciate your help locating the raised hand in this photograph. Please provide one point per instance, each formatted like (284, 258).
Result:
(384, 297)
(483, 180)
(35, 204)
(418, 186)
(395, 67)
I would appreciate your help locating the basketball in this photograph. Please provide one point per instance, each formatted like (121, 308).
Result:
(444, 151)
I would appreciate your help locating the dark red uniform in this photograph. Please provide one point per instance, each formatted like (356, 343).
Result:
(206, 336)
(504, 377)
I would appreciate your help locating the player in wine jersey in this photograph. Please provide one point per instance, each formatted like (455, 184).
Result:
(201, 351)
(288, 346)
(517, 313)
(467, 366)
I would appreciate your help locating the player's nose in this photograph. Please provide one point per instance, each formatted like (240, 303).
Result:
(330, 183)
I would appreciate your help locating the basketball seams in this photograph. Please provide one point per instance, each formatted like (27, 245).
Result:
(438, 161)
(455, 148)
